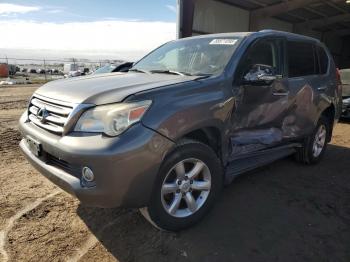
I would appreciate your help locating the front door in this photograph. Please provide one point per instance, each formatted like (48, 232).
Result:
(261, 97)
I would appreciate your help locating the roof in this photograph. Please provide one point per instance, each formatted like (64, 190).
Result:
(259, 33)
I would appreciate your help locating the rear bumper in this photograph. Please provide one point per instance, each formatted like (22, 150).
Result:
(125, 167)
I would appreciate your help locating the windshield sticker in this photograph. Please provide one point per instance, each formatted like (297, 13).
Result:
(223, 42)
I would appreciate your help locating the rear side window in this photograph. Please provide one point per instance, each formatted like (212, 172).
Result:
(323, 60)
(301, 59)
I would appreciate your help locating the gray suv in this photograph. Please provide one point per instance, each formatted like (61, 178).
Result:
(187, 119)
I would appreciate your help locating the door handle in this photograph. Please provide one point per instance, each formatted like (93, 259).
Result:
(280, 93)
(322, 88)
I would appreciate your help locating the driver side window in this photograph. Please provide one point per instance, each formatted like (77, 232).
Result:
(263, 55)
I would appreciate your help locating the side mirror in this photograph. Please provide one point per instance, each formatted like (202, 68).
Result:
(260, 75)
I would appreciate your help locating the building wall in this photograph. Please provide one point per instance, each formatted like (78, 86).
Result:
(216, 17)
(4, 70)
(345, 60)
(275, 24)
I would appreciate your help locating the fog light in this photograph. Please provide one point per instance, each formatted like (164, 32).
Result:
(88, 175)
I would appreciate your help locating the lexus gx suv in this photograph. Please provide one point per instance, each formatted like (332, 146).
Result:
(185, 120)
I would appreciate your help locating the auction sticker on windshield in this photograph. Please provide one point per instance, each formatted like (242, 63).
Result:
(223, 42)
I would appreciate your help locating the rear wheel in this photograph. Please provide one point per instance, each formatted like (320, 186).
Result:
(188, 183)
(315, 145)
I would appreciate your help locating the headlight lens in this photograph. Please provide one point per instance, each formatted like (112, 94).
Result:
(112, 119)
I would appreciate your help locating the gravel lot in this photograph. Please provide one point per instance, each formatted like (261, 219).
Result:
(282, 212)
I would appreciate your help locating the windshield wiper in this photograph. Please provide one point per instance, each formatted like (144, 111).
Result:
(138, 70)
(171, 72)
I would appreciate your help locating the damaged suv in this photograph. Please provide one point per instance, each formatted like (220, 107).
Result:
(186, 119)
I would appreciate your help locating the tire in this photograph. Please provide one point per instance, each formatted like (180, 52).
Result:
(309, 153)
(178, 202)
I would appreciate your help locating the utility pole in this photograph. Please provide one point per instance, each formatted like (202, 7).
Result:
(8, 68)
(45, 70)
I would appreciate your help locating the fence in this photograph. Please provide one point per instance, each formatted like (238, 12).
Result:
(42, 70)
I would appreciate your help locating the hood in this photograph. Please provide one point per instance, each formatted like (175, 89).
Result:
(106, 88)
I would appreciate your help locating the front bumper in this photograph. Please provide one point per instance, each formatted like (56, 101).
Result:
(125, 167)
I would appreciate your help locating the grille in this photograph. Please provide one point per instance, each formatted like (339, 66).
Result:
(63, 165)
(48, 115)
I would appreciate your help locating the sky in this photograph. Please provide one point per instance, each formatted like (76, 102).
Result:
(103, 29)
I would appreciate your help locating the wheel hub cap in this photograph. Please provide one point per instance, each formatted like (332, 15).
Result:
(186, 187)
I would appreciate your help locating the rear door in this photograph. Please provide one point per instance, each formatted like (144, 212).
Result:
(307, 81)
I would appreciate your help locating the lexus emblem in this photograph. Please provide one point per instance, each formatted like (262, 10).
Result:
(43, 114)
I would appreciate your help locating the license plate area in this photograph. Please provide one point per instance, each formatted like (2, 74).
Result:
(34, 146)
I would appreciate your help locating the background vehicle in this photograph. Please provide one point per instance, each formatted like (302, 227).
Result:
(111, 68)
(345, 79)
(189, 117)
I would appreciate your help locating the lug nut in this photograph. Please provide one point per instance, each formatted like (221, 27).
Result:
(179, 182)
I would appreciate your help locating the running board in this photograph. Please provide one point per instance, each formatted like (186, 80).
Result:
(242, 164)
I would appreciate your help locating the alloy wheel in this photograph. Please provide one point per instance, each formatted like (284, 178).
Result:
(319, 141)
(186, 188)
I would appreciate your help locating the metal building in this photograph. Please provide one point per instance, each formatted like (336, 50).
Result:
(327, 20)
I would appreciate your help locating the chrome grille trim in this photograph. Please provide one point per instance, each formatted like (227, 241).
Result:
(49, 127)
(56, 114)
(60, 117)
(54, 108)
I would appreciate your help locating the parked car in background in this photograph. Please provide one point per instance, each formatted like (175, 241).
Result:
(111, 68)
(32, 71)
(24, 70)
(186, 119)
(74, 74)
(345, 79)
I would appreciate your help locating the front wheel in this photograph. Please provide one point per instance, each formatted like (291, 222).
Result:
(315, 145)
(188, 183)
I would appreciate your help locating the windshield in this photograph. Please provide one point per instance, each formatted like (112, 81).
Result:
(196, 56)
(105, 69)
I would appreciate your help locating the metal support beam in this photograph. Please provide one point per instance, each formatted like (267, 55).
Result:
(324, 21)
(342, 32)
(186, 23)
(280, 8)
(273, 10)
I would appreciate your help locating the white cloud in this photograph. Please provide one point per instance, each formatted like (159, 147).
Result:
(6, 9)
(123, 39)
(172, 8)
(55, 11)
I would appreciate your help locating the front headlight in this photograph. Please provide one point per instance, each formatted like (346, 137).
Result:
(111, 119)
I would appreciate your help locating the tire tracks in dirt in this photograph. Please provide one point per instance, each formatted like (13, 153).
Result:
(12, 221)
(90, 243)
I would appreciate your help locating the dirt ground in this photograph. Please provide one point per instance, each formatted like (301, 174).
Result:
(282, 212)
